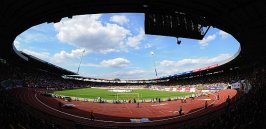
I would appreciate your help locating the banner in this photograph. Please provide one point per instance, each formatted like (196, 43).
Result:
(235, 85)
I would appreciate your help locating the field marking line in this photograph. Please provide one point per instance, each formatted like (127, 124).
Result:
(161, 104)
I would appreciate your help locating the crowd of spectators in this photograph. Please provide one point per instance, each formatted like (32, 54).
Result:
(248, 112)
(16, 115)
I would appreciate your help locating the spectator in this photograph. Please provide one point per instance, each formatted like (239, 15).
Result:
(92, 116)
(180, 110)
(206, 104)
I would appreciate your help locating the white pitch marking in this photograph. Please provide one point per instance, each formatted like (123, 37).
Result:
(159, 104)
(204, 99)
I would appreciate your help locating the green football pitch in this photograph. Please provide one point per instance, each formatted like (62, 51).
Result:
(92, 93)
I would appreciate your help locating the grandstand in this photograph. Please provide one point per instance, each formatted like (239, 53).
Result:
(232, 93)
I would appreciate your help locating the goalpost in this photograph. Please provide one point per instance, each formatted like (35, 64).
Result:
(127, 96)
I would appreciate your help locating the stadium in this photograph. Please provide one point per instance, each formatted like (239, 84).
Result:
(35, 93)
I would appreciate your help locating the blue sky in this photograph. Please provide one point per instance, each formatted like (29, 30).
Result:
(116, 47)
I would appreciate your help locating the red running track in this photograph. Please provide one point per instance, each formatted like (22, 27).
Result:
(120, 114)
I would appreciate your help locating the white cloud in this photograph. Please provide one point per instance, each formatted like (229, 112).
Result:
(130, 74)
(30, 37)
(173, 67)
(63, 55)
(223, 34)
(120, 19)
(137, 71)
(135, 40)
(87, 31)
(57, 58)
(89, 65)
(147, 45)
(205, 41)
(196, 61)
(41, 55)
(116, 62)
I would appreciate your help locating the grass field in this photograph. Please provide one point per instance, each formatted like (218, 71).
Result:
(92, 93)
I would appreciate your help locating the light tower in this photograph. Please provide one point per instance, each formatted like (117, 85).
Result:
(154, 63)
(81, 60)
